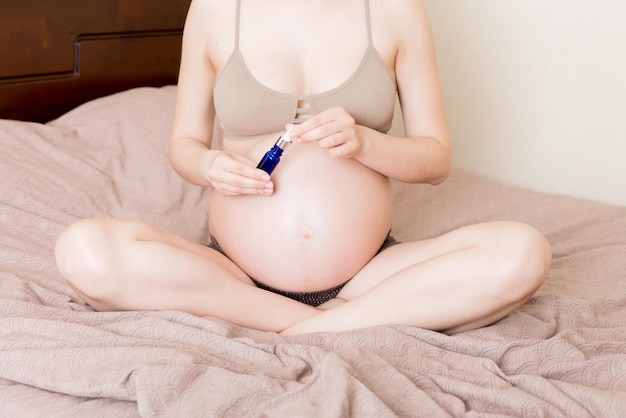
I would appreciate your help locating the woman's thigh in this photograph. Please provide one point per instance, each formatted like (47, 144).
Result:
(99, 254)
(501, 241)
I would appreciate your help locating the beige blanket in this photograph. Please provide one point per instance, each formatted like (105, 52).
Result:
(563, 354)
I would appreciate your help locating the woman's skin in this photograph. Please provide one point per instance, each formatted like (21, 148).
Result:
(322, 216)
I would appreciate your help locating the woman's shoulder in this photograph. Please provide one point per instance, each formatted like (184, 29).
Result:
(214, 16)
(398, 12)
(212, 11)
(212, 25)
(398, 22)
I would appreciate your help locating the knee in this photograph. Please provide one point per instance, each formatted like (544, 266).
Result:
(523, 261)
(526, 260)
(82, 257)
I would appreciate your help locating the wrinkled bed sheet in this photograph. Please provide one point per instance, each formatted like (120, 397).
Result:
(563, 354)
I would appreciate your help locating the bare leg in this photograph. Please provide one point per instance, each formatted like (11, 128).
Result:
(130, 265)
(468, 278)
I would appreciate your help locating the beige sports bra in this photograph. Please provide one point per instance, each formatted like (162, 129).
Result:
(245, 107)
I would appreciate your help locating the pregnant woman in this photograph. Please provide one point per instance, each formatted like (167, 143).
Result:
(308, 249)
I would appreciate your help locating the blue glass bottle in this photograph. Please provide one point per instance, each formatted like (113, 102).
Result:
(272, 157)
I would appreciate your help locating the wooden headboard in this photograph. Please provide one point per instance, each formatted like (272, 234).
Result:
(55, 55)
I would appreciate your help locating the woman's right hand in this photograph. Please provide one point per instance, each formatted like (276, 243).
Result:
(232, 174)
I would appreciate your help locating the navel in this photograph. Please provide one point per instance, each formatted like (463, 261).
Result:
(308, 233)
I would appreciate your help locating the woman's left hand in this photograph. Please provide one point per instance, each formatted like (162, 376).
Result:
(333, 129)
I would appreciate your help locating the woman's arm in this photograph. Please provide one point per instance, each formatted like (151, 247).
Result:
(427, 151)
(424, 155)
(194, 116)
(190, 150)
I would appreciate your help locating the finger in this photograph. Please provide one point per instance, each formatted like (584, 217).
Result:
(251, 173)
(235, 187)
(241, 180)
(230, 191)
(316, 127)
(320, 132)
(345, 150)
(332, 141)
(247, 168)
(326, 124)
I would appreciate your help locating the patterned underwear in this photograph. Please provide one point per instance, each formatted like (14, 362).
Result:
(309, 298)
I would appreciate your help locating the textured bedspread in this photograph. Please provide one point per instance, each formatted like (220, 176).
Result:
(563, 354)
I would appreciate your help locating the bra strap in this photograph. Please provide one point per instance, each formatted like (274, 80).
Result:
(237, 15)
(368, 19)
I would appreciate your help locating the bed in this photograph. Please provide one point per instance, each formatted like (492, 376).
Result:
(84, 132)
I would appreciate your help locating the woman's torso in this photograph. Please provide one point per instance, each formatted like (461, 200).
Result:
(328, 216)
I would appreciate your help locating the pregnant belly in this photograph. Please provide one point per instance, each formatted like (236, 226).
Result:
(326, 219)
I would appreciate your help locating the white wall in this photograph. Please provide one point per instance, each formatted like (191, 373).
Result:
(536, 91)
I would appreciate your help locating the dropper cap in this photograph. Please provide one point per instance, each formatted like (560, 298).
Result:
(284, 140)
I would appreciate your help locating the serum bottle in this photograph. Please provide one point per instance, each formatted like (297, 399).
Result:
(272, 157)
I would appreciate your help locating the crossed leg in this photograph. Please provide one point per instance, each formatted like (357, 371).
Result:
(464, 279)
(468, 278)
(131, 265)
